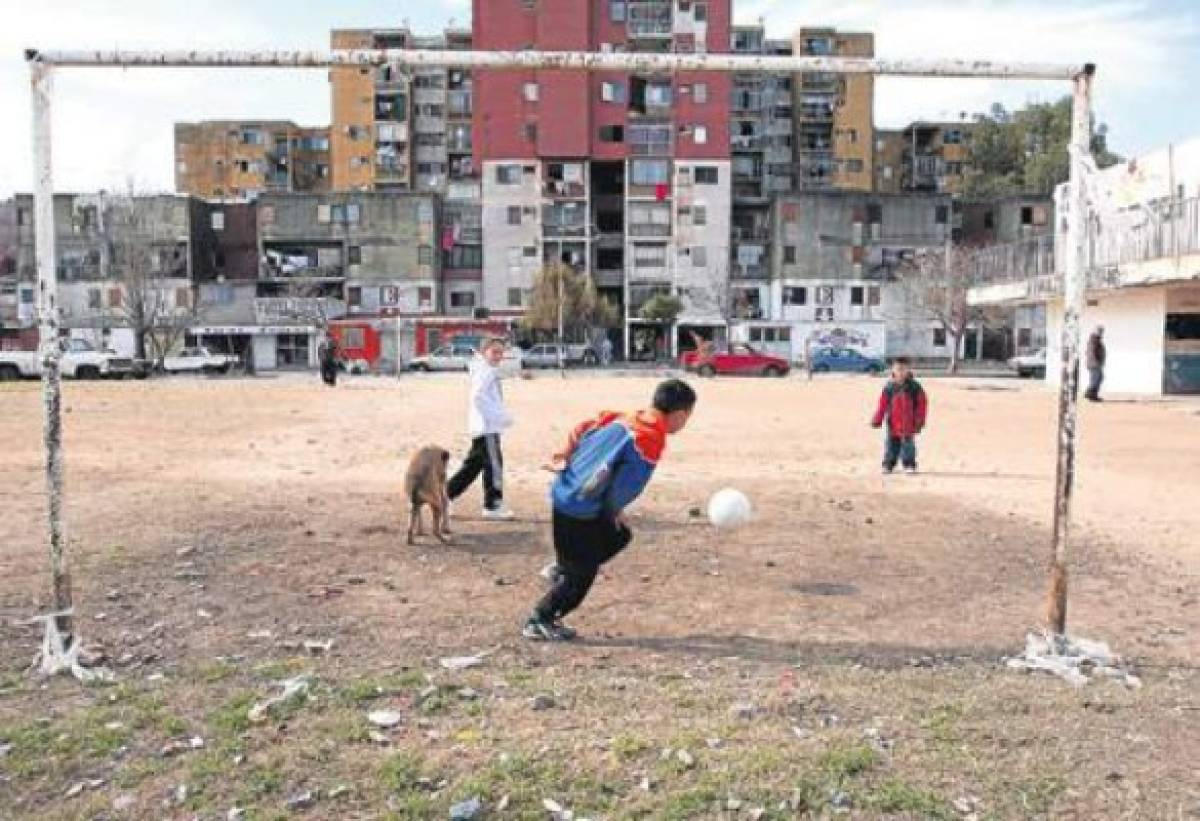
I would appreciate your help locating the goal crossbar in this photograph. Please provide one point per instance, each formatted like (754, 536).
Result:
(563, 60)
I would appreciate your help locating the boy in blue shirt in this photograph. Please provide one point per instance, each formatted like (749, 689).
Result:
(606, 464)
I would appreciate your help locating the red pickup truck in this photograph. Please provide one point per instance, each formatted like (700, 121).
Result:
(739, 360)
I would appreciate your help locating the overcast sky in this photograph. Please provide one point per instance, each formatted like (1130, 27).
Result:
(114, 127)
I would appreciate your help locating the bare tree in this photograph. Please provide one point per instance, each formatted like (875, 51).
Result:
(157, 301)
(937, 284)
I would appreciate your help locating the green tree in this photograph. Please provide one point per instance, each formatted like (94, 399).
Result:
(1025, 151)
(661, 308)
(582, 308)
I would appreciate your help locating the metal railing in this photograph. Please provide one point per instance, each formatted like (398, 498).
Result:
(1114, 242)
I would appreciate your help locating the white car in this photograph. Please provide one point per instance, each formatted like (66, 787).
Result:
(198, 360)
(457, 357)
(1030, 365)
(80, 360)
(545, 355)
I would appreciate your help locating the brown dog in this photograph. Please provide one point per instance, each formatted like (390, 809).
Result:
(425, 484)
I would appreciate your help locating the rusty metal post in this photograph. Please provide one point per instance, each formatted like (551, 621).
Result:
(1074, 299)
(42, 79)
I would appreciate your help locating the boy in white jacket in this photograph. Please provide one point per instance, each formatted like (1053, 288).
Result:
(487, 418)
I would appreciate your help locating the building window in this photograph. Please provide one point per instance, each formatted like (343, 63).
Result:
(649, 256)
(700, 134)
(941, 214)
(114, 298)
(218, 220)
(649, 172)
(854, 166)
(700, 13)
(530, 92)
(699, 215)
(616, 11)
(989, 220)
(355, 255)
(874, 213)
(425, 255)
(700, 93)
(612, 92)
(795, 296)
(707, 175)
(952, 137)
(253, 137)
(354, 296)
(857, 293)
(939, 337)
(514, 215)
(425, 297)
(612, 134)
(514, 298)
(357, 132)
(699, 256)
(531, 132)
(874, 296)
(789, 255)
(462, 299)
(94, 299)
(508, 174)
(530, 252)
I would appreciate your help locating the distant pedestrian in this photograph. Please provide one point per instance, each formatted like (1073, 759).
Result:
(1097, 353)
(327, 357)
(606, 351)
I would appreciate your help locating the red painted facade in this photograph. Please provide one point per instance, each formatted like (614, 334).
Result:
(349, 334)
(568, 116)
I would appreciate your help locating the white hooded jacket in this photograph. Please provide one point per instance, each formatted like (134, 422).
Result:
(486, 414)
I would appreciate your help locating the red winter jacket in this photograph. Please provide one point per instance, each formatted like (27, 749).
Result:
(903, 406)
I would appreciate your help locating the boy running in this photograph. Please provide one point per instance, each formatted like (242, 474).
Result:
(606, 464)
(487, 418)
(903, 405)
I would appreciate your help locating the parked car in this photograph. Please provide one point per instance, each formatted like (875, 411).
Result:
(1030, 364)
(199, 360)
(740, 360)
(845, 360)
(546, 354)
(80, 360)
(456, 356)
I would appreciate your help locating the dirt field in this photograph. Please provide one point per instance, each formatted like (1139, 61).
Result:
(847, 658)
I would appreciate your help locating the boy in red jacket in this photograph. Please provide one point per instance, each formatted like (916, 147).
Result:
(903, 405)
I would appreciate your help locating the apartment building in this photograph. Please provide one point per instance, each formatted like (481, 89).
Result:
(115, 252)
(414, 132)
(17, 309)
(935, 156)
(838, 259)
(834, 114)
(632, 187)
(240, 159)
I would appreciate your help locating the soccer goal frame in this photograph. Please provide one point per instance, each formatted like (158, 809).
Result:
(61, 648)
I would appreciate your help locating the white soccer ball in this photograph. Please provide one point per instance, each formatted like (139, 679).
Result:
(729, 508)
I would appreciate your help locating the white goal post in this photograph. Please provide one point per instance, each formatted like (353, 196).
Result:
(44, 64)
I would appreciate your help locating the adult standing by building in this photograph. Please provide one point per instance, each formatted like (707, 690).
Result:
(1096, 355)
(327, 356)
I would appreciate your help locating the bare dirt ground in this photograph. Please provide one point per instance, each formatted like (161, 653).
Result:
(846, 659)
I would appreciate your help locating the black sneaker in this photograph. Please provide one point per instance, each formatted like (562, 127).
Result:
(537, 630)
(564, 632)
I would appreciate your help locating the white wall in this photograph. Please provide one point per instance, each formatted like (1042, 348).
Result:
(501, 268)
(1133, 323)
(704, 282)
(264, 353)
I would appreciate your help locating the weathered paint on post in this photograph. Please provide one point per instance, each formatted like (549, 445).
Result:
(1074, 294)
(562, 60)
(42, 79)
